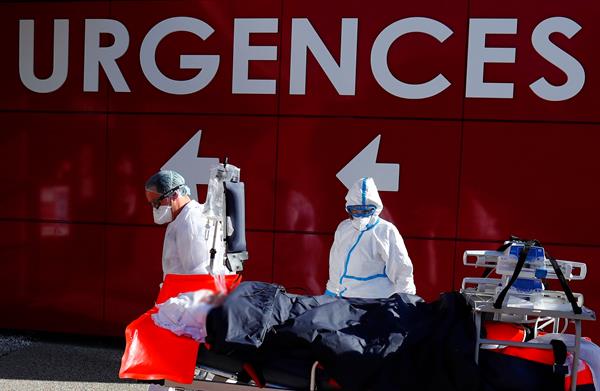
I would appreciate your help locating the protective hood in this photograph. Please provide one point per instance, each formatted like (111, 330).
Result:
(364, 192)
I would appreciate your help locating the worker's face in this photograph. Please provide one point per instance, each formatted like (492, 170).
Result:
(360, 211)
(162, 205)
(156, 199)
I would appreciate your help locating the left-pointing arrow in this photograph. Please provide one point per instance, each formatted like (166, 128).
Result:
(385, 175)
(195, 170)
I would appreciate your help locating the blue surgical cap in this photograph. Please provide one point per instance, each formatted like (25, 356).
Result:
(166, 180)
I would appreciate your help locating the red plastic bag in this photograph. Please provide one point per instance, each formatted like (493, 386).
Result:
(153, 353)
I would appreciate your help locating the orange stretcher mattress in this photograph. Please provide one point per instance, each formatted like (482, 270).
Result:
(153, 353)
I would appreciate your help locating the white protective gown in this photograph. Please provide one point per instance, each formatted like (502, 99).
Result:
(186, 249)
(368, 257)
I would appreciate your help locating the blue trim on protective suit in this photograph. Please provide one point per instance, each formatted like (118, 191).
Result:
(369, 226)
(345, 275)
(364, 191)
(380, 275)
(329, 293)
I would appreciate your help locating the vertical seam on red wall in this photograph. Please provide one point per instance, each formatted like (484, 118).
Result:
(106, 173)
(460, 150)
(277, 126)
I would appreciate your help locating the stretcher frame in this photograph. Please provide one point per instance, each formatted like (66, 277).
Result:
(484, 304)
(212, 379)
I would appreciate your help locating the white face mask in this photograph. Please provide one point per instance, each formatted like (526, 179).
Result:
(360, 223)
(163, 214)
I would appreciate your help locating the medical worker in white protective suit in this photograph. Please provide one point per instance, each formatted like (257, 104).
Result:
(368, 257)
(188, 239)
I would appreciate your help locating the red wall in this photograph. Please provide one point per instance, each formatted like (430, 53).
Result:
(79, 251)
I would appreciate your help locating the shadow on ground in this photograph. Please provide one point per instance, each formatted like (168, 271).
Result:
(59, 357)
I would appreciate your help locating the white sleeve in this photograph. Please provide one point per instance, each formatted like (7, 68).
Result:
(335, 262)
(332, 250)
(399, 268)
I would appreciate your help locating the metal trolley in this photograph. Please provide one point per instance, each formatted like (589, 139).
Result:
(525, 263)
(483, 304)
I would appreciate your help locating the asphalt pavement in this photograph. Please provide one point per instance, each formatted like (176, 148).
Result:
(43, 361)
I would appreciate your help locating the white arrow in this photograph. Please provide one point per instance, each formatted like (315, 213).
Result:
(385, 175)
(195, 170)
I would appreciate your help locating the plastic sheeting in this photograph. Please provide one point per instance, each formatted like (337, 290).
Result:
(186, 313)
(154, 353)
(213, 207)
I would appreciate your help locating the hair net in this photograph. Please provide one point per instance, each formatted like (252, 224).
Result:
(165, 180)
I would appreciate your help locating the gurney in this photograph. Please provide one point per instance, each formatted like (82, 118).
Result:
(439, 354)
(222, 369)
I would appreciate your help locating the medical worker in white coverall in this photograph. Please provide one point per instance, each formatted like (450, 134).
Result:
(188, 240)
(368, 257)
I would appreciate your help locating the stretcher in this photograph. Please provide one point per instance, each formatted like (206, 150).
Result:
(157, 355)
